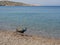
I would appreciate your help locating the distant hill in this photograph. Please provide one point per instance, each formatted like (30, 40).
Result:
(11, 3)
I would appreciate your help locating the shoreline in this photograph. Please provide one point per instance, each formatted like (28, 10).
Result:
(15, 38)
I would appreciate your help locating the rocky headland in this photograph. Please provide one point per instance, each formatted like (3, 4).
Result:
(12, 3)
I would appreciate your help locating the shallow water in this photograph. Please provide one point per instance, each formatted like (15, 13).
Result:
(39, 20)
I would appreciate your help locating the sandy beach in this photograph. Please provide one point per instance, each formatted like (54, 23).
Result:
(14, 38)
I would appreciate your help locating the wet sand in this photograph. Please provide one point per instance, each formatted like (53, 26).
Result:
(14, 38)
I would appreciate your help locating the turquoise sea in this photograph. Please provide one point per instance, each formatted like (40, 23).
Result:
(43, 20)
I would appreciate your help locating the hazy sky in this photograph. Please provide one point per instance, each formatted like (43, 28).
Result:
(42, 2)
